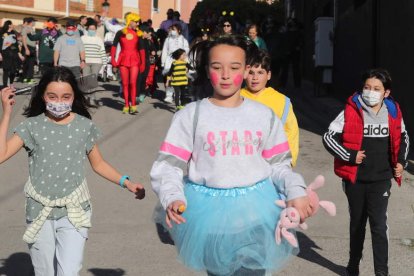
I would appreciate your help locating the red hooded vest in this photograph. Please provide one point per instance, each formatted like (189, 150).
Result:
(353, 133)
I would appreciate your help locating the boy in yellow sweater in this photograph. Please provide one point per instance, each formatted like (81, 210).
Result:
(259, 74)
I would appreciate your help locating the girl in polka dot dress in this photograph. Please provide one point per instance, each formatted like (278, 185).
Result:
(58, 136)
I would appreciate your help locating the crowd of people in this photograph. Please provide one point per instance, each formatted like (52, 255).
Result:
(237, 122)
(94, 46)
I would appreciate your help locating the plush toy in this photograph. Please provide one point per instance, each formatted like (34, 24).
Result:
(290, 219)
(328, 206)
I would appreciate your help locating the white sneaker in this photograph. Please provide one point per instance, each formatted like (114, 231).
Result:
(168, 99)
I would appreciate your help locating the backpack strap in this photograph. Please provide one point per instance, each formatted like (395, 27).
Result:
(285, 110)
(195, 119)
(272, 122)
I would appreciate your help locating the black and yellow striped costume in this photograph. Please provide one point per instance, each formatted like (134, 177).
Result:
(179, 80)
(178, 73)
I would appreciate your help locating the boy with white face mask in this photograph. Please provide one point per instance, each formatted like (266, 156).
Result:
(370, 145)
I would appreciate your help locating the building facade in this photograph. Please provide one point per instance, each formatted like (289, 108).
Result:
(16, 10)
(367, 34)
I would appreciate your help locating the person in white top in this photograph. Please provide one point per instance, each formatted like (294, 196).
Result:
(112, 26)
(95, 55)
(173, 42)
(222, 215)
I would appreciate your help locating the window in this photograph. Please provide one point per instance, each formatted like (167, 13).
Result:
(155, 5)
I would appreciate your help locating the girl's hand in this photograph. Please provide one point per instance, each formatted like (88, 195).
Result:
(398, 170)
(7, 99)
(302, 204)
(174, 211)
(135, 188)
(360, 157)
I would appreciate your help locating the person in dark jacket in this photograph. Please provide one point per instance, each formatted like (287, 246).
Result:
(9, 52)
(47, 39)
(370, 145)
(150, 50)
(29, 51)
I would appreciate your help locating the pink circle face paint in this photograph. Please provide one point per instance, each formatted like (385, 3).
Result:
(214, 77)
(238, 79)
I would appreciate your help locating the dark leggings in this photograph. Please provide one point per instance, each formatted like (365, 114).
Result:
(142, 78)
(181, 96)
(8, 75)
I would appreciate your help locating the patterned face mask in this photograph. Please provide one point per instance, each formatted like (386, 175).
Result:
(59, 110)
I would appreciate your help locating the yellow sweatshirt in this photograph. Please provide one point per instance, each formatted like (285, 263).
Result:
(276, 101)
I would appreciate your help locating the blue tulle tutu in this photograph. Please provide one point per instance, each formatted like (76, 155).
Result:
(227, 229)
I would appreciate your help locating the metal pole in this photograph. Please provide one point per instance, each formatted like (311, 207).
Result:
(287, 8)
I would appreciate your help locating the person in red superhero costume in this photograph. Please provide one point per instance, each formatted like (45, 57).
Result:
(130, 60)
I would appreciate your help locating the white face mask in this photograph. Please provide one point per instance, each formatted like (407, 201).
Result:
(58, 110)
(370, 97)
(174, 33)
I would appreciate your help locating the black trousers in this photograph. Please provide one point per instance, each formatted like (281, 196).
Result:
(7, 75)
(9, 64)
(44, 67)
(29, 63)
(181, 95)
(142, 78)
(293, 59)
(368, 201)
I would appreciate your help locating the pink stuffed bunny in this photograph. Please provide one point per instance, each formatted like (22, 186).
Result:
(289, 217)
(328, 206)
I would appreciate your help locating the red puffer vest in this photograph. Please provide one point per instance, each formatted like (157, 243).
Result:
(353, 133)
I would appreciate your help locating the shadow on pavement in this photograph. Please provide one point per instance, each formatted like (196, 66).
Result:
(111, 87)
(308, 252)
(17, 264)
(107, 271)
(112, 103)
(159, 94)
(163, 234)
(164, 106)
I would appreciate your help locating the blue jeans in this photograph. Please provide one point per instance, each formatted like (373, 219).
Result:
(58, 249)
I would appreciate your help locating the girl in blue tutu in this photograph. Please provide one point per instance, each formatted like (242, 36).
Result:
(236, 159)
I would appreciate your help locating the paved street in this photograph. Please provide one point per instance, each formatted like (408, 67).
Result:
(124, 240)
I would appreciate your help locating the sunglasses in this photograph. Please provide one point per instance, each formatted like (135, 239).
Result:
(226, 25)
